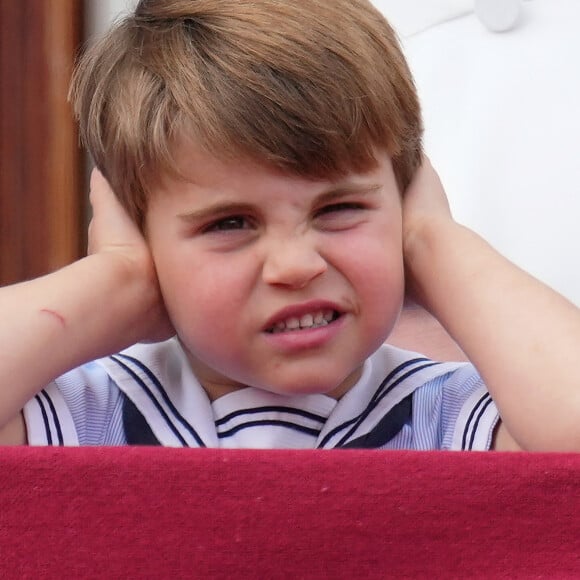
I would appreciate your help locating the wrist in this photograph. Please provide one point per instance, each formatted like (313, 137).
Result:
(137, 309)
(108, 302)
(433, 251)
(428, 238)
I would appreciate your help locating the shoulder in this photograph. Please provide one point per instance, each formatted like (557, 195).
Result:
(451, 407)
(159, 381)
(81, 407)
(84, 406)
(460, 408)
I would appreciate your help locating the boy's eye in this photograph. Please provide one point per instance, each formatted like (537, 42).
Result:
(338, 207)
(340, 216)
(230, 223)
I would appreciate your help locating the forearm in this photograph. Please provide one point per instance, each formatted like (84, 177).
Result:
(54, 323)
(522, 336)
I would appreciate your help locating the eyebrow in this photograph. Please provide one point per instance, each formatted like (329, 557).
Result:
(227, 208)
(346, 190)
(216, 210)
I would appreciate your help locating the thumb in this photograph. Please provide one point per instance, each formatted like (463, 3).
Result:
(110, 224)
(100, 195)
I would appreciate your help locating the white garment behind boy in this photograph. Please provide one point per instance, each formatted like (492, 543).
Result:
(502, 124)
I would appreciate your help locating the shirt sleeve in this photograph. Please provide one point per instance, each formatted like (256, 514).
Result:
(82, 407)
(468, 415)
(453, 411)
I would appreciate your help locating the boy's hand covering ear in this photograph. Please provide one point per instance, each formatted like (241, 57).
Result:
(425, 209)
(425, 199)
(110, 228)
(112, 232)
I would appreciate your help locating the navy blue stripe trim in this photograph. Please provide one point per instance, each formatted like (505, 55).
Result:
(378, 394)
(373, 399)
(189, 428)
(383, 389)
(45, 420)
(273, 422)
(54, 417)
(256, 410)
(474, 411)
(137, 430)
(151, 396)
(479, 417)
(368, 410)
(387, 428)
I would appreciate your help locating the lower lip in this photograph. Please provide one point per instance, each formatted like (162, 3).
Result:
(310, 338)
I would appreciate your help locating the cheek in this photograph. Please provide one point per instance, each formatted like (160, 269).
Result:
(375, 270)
(382, 297)
(374, 258)
(381, 286)
(201, 291)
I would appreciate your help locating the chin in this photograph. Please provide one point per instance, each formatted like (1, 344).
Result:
(310, 390)
(334, 387)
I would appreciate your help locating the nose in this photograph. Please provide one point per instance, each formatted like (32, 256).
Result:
(292, 263)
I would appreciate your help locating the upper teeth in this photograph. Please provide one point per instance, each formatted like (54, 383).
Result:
(311, 320)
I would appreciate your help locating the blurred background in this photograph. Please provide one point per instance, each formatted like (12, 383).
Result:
(500, 102)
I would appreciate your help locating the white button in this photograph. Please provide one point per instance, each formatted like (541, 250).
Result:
(498, 15)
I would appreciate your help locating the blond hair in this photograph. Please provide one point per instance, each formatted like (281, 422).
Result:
(312, 87)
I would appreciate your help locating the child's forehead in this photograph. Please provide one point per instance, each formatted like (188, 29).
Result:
(203, 178)
(192, 162)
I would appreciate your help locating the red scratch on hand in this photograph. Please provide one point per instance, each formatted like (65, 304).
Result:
(56, 315)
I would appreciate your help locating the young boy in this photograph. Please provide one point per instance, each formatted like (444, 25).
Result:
(272, 209)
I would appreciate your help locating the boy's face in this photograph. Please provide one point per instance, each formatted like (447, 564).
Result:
(245, 255)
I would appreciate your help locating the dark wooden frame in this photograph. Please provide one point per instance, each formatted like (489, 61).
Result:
(41, 178)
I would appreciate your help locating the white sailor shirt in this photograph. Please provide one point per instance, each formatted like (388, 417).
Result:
(148, 394)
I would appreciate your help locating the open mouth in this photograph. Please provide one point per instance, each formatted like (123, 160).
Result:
(305, 322)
